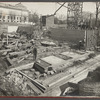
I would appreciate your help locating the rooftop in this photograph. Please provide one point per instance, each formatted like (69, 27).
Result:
(18, 6)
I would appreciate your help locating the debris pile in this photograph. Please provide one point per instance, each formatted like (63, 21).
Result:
(23, 83)
(16, 48)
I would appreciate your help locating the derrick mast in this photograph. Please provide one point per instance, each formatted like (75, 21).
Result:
(74, 14)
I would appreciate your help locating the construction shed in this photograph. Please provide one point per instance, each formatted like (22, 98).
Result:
(48, 21)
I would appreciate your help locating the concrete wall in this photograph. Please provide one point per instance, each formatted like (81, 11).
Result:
(72, 36)
(91, 39)
(20, 15)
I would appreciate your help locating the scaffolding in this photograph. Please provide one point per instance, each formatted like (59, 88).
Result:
(74, 14)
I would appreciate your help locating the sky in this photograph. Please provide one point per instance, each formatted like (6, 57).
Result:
(47, 8)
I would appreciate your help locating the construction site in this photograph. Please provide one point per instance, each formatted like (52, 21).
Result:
(48, 59)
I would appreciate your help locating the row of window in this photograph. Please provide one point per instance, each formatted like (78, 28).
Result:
(13, 18)
(10, 21)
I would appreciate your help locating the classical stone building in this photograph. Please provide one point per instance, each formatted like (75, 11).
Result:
(14, 13)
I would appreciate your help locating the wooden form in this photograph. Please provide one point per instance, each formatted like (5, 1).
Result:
(38, 85)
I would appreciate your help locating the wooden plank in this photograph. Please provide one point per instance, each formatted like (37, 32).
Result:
(17, 53)
(6, 50)
(9, 60)
(24, 57)
(34, 88)
(26, 66)
(40, 86)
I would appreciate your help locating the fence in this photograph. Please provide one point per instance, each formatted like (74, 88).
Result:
(91, 38)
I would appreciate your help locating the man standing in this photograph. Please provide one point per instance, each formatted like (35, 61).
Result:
(2, 38)
(35, 53)
(80, 44)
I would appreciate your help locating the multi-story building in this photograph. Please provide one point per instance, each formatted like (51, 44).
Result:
(17, 13)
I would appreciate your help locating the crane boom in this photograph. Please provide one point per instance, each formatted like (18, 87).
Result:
(63, 5)
(59, 8)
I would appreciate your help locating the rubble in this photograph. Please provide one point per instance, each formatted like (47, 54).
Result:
(54, 58)
(46, 43)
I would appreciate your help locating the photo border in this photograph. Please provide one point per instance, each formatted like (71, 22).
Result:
(49, 98)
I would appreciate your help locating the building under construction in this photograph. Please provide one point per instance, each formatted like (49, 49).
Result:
(63, 58)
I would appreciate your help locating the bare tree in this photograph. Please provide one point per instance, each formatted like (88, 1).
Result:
(33, 17)
(97, 12)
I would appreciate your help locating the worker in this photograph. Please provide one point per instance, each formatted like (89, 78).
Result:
(35, 53)
(2, 38)
(80, 44)
(2, 35)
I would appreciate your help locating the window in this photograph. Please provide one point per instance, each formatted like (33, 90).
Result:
(0, 16)
(14, 17)
(8, 17)
(20, 19)
(24, 18)
(3, 17)
(11, 17)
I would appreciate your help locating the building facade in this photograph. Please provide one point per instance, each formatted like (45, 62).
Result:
(17, 13)
(47, 21)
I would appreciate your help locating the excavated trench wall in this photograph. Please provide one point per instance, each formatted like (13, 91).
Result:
(89, 89)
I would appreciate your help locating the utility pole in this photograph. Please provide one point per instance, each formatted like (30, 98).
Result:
(90, 23)
(97, 12)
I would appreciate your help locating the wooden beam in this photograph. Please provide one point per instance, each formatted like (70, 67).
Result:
(59, 8)
(35, 82)
(26, 66)
(34, 88)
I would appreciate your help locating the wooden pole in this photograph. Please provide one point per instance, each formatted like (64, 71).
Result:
(85, 39)
(7, 35)
(97, 12)
(40, 85)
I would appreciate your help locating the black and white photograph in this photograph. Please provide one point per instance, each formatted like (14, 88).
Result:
(50, 49)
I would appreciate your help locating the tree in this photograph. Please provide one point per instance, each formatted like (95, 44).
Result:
(97, 13)
(56, 20)
(33, 17)
(61, 19)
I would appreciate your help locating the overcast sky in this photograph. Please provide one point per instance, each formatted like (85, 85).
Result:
(44, 8)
